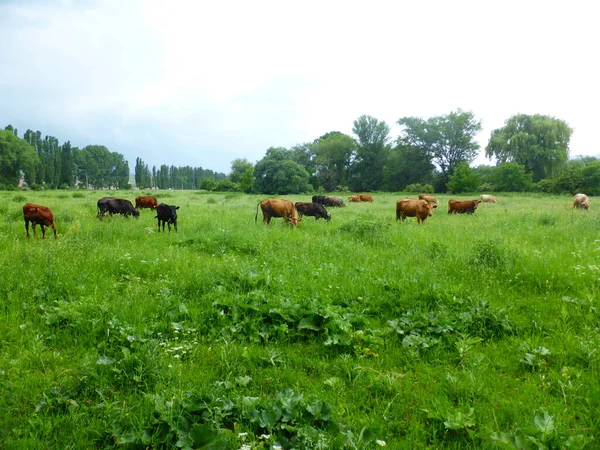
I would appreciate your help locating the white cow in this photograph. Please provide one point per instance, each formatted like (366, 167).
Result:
(486, 198)
(581, 201)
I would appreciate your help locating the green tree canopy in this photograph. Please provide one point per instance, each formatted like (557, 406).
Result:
(407, 165)
(371, 154)
(239, 168)
(464, 179)
(333, 154)
(511, 177)
(16, 156)
(538, 142)
(276, 173)
(448, 139)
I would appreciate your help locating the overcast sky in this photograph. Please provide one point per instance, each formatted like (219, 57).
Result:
(202, 83)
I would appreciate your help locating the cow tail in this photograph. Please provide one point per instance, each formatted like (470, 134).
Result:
(256, 215)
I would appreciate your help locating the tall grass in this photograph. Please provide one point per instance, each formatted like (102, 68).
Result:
(465, 332)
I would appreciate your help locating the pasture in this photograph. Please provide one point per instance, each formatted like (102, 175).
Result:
(469, 331)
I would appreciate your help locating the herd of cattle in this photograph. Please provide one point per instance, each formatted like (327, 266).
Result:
(420, 208)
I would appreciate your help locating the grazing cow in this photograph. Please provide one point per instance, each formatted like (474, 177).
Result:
(328, 200)
(167, 215)
(487, 198)
(146, 201)
(406, 207)
(313, 209)
(581, 201)
(111, 205)
(278, 207)
(354, 198)
(462, 206)
(429, 199)
(38, 215)
(365, 198)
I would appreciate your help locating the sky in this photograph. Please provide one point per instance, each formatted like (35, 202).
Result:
(202, 83)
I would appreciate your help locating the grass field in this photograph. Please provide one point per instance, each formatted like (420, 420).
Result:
(468, 331)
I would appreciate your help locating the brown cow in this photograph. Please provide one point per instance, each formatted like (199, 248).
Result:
(581, 201)
(462, 206)
(38, 215)
(277, 207)
(365, 198)
(429, 199)
(354, 198)
(146, 201)
(406, 207)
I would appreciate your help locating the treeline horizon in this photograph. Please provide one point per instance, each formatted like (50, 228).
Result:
(429, 155)
(45, 163)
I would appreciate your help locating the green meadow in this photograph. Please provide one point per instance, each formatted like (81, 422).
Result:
(469, 331)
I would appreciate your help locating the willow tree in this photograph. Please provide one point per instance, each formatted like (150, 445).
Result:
(538, 142)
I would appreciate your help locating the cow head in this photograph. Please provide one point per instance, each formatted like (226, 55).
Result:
(427, 207)
(135, 213)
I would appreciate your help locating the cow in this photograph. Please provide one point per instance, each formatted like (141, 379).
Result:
(111, 205)
(313, 209)
(354, 198)
(581, 201)
(487, 198)
(334, 201)
(365, 198)
(429, 199)
(462, 206)
(328, 200)
(406, 207)
(167, 215)
(278, 207)
(146, 201)
(38, 215)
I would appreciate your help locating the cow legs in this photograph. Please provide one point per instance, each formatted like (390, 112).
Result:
(27, 228)
(43, 230)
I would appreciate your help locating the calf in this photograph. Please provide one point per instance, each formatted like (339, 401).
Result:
(365, 198)
(354, 199)
(167, 215)
(38, 215)
(315, 210)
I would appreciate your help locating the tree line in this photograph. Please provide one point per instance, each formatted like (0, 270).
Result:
(42, 162)
(429, 155)
(531, 153)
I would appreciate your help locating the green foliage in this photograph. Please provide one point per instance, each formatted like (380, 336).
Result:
(16, 156)
(208, 184)
(419, 188)
(511, 177)
(448, 139)
(332, 159)
(227, 185)
(538, 142)
(332, 335)
(366, 173)
(276, 173)
(464, 179)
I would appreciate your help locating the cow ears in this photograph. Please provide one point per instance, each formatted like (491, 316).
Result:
(177, 207)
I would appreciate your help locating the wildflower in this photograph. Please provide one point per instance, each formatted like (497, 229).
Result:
(265, 436)
(242, 435)
(380, 443)
(246, 447)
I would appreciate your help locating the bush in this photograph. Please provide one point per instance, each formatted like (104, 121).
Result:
(35, 187)
(418, 188)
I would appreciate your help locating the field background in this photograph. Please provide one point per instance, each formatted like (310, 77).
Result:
(468, 331)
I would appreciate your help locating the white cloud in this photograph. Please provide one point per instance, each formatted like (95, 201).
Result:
(202, 83)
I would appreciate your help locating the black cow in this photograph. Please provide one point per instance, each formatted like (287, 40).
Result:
(111, 205)
(327, 200)
(167, 215)
(313, 209)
